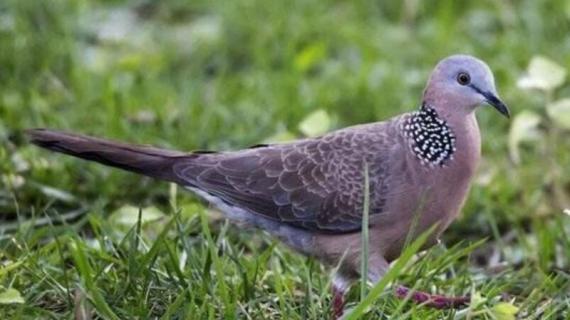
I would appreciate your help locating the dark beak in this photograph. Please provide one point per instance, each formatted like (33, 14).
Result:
(498, 104)
(491, 99)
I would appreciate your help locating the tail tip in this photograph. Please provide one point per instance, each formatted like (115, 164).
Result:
(34, 134)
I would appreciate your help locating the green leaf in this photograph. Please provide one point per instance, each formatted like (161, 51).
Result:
(559, 112)
(505, 311)
(11, 296)
(9, 266)
(477, 299)
(310, 56)
(523, 128)
(315, 124)
(543, 74)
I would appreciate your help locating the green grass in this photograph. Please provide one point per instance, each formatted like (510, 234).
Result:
(227, 74)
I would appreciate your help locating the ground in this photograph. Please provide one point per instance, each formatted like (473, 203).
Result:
(79, 240)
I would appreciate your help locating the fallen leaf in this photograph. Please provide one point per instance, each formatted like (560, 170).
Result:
(524, 128)
(280, 137)
(542, 74)
(11, 296)
(315, 124)
(127, 216)
(559, 112)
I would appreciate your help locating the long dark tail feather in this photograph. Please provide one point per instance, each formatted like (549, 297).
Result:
(149, 161)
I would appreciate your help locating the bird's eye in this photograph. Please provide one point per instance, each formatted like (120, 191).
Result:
(463, 78)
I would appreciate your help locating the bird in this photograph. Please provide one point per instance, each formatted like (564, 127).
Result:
(309, 193)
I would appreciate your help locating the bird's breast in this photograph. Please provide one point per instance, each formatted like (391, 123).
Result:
(424, 196)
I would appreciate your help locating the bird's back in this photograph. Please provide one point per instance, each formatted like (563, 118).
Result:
(315, 184)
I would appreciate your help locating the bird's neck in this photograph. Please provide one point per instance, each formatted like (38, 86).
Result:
(440, 140)
(430, 138)
(468, 141)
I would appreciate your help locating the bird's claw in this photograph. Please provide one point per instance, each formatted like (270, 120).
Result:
(432, 300)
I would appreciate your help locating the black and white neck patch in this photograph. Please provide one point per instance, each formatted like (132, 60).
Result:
(430, 138)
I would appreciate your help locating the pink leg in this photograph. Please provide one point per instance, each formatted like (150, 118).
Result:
(337, 302)
(432, 300)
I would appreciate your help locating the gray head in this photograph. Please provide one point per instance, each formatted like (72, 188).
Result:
(459, 84)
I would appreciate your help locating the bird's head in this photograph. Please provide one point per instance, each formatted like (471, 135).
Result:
(459, 84)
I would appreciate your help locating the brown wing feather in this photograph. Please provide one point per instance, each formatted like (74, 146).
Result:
(315, 184)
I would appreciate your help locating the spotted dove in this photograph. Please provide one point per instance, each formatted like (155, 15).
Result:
(310, 193)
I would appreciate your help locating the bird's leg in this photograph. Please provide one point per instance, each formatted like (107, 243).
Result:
(339, 287)
(432, 300)
(377, 267)
(338, 301)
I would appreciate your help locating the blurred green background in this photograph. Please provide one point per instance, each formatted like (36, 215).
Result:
(227, 74)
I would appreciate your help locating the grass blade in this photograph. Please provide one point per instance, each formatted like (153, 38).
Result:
(218, 266)
(394, 271)
(364, 251)
(85, 271)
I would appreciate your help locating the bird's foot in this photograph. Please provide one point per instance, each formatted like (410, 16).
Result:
(432, 300)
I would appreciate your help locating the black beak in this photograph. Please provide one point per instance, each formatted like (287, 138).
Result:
(498, 104)
(491, 99)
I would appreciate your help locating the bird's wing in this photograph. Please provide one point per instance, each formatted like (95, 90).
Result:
(315, 184)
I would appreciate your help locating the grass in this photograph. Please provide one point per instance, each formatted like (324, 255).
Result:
(365, 237)
(227, 74)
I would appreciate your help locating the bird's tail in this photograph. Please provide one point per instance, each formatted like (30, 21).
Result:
(145, 160)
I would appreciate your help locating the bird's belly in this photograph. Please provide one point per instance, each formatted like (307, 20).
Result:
(296, 238)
